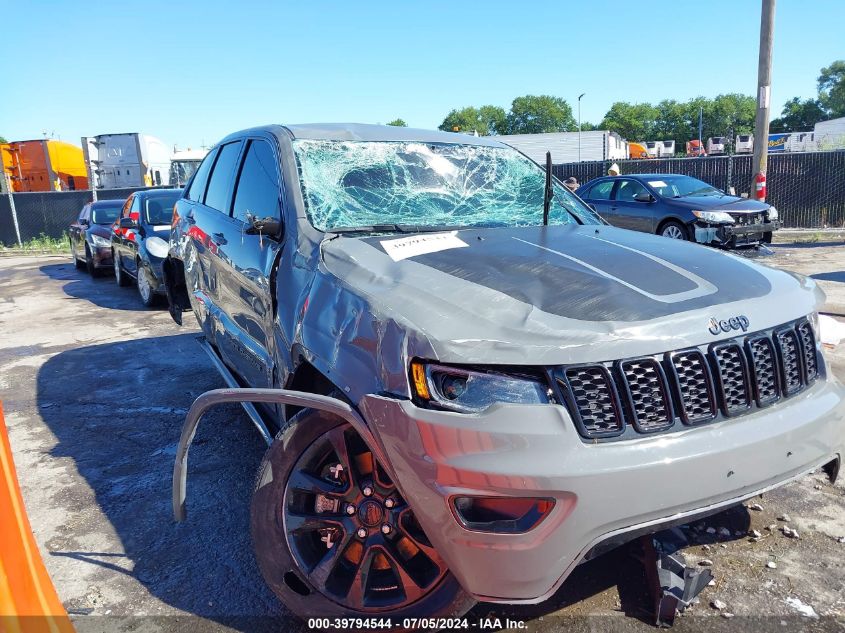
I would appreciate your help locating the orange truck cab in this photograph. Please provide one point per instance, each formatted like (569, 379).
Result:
(695, 148)
(637, 150)
(44, 165)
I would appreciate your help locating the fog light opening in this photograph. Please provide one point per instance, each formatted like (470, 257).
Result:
(501, 515)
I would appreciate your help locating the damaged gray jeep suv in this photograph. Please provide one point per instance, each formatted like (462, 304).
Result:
(531, 389)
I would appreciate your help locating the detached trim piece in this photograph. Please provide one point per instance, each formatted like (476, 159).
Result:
(274, 396)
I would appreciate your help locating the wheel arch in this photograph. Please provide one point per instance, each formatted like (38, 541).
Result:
(687, 224)
(306, 377)
(175, 287)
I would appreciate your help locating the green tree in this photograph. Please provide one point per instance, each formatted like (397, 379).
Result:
(534, 114)
(3, 139)
(729, 115)
(398, 123)
(798, 115)
(832, 89)
(486, 120)
(632, 121)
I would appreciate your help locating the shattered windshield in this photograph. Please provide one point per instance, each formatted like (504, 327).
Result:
(358, 184)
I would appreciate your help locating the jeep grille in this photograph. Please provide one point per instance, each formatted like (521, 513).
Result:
(691, 386)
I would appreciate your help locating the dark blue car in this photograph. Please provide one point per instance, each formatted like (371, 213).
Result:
(139, 241)
(680, 207)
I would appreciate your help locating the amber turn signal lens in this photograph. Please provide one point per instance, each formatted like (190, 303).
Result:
(420, 383)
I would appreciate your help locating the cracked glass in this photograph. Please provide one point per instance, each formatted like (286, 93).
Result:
(364, 183)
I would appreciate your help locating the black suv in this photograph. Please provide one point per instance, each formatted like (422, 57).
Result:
(531, 384)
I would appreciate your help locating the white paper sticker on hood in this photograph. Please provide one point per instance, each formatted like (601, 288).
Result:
(405, 247)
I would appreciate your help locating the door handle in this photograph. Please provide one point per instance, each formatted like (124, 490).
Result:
(219, 238)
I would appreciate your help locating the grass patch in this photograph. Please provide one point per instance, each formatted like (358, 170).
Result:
(41, 245)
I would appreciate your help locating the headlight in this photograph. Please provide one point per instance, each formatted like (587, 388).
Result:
(773, 213)
(716, 217)
(473, 391)
(100, 242)
(156, 246)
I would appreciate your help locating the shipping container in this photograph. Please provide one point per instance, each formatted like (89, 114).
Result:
(127, 160)
(44, 165)
(564, 146)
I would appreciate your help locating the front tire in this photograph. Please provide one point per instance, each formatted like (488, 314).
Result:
(79, 265)
(318, 517)
(674, 230)
(89, 263)
(145, 289)
(119, 276)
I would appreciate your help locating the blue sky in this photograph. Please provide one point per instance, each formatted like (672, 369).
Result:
(190, 72)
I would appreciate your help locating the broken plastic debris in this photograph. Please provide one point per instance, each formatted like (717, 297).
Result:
(712, 583)
(705, 562)
(724, 532)
(727, 614)
(755, 533)
(755, 506)
(785, 518)
(772, 527)
(718, 604)
(772, 564)
(841, 539)
(804, 609)
(789, 532)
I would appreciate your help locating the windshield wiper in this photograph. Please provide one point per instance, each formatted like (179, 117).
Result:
(548, 192)
(391, 228)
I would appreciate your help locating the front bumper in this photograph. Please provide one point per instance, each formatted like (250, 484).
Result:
(734, 234)
(602, 491)
(102, 257)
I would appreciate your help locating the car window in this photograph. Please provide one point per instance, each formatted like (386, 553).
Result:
(135, 209)
(258, 185)
(83, 215)
(222, 175)
(159, 209)
(601, 191)
(125, 211)
(197, 188)
(628, 189)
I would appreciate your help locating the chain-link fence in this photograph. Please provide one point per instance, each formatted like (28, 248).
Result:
(808, 189)
(48, 213)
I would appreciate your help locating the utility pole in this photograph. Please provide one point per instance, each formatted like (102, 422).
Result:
(579, 125)
(764, 87)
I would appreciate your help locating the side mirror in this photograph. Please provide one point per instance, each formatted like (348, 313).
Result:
(128, 223)
(644, 197)
(268, 226)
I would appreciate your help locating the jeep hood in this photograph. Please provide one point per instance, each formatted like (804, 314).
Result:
(553, 295)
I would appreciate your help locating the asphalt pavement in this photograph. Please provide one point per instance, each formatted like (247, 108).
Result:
(95, 389)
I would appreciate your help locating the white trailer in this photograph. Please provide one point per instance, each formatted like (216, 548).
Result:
(800, 142)
(830, 134)
(668, 149)
(744, 144)
(595, 145)
(126, 160)
(183, 164)
(715, 145)
(653, 148)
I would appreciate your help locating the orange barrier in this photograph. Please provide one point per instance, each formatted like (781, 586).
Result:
(28, 600)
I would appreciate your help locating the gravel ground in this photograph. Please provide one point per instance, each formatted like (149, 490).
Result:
(95, 389)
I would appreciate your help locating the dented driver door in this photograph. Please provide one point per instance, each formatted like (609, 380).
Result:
(246, 273)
